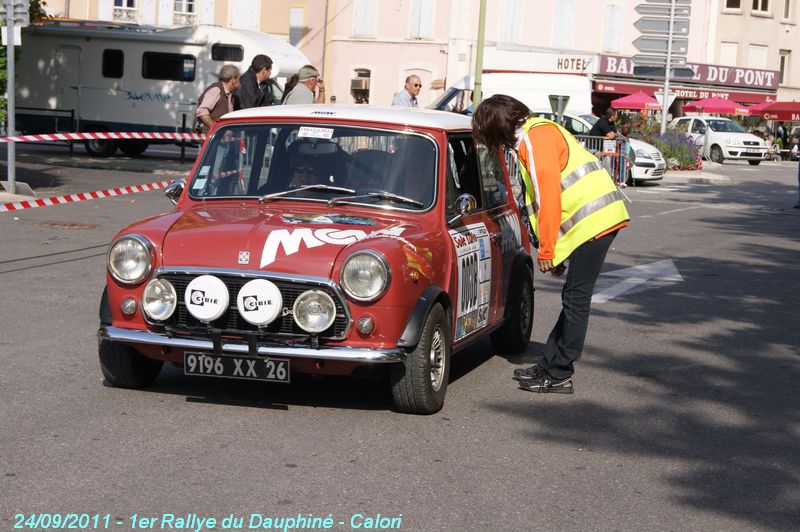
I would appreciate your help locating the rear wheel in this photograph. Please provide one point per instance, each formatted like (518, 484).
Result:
(133, 147)
(419, 384)
(124, 367)
(716, 154)
(754, 163)
(514, 335)
(101, 148)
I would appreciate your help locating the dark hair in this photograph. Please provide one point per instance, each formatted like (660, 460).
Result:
(261, 61)
(290, 83)
(610, 112)
(496, 120)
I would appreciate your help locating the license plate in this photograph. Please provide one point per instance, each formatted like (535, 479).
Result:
(233, 367)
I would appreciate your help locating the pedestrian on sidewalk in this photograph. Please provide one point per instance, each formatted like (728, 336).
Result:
(575, 212)
(255, 89)
(309, 88)
(407, 97)
(217, 99)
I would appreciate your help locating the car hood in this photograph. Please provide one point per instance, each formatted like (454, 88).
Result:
(296, 241)
(739, 136)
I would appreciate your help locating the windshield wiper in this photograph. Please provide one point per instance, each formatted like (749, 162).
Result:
(379, 194)
(326, 188)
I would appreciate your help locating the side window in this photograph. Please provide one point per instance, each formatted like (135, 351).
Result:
(576, 127)
(113, 62)
(698, 127)
(683, 125)
(492, 177)
(232, 53)
(463, 176)
(175, 67)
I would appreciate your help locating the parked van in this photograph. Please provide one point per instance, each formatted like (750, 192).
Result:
(95, 76)
(721, 138)
(531, 88)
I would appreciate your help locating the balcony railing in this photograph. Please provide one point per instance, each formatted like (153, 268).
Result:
(184, 19)
(126, 14)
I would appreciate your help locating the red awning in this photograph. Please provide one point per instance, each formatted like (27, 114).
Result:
(789, 111)
(639, 101)
(684, 92)
(716, 105)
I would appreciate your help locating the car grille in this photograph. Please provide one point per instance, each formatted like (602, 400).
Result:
(231, 322)
(658, 171)
(750, 143)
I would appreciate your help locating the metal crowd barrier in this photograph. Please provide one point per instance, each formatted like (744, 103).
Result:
(610, 152)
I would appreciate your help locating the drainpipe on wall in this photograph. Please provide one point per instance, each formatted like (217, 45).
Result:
(325, 39)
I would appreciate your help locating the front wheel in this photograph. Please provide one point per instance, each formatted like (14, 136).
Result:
(514, 335)
(754, 163)
(716, 154)
(419, 384)
(124, 367)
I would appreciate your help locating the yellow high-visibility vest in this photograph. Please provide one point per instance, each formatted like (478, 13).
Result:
(590, 201)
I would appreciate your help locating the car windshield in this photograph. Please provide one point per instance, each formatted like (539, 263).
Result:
(725, 126)
(590, 118)
(313, 162)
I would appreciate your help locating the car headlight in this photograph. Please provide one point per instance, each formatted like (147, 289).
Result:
(130, 259)
(365, 275)
(314, 311)
(643, 154)
(159, 299)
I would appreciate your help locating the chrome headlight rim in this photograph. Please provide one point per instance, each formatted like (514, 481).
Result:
(296, 314)
(643, 154)
(170, 288)
(387, 275)
(148, 246)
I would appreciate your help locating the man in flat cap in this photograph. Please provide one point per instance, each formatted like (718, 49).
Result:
(304, 92)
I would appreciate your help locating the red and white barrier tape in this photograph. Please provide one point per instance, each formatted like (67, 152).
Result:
(71, 198)
(107, 135)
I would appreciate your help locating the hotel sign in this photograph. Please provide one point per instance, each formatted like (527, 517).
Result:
(731, 76)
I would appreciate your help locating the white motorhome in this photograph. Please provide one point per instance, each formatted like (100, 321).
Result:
(95, 76)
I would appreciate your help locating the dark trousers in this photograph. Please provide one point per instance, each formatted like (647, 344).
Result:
(565, 344)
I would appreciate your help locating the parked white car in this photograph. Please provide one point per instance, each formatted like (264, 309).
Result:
(648, 162)
(721, 138)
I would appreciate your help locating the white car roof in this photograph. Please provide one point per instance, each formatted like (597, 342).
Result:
(402, 116)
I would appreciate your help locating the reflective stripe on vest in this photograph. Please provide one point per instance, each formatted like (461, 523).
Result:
(589, 208)
(578, 173)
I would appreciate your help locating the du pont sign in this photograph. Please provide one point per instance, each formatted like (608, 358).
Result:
(616, 65)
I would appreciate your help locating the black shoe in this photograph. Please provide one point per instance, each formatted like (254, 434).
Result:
(546, 384)
(528, 373)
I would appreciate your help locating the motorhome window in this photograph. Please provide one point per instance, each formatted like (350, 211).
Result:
(227, 52)
(113, 61)
(175, 67)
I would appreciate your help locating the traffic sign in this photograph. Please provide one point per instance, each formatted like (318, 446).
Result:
(660, 26)
(20, 14)
(658, 60)
(658, 44)
(663, 11)
(659, 95)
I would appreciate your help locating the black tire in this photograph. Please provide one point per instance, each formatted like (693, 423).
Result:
(754, 163)
(716, 154)
(515, 334)
(124, 367)
(101, 148)
(418, 384)
(133, 147)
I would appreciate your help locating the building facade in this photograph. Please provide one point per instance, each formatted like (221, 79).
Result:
(366, 48)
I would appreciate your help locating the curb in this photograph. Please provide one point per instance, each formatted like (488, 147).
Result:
(696, 177)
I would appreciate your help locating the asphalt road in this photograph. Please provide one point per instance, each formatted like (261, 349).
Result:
(685, 415)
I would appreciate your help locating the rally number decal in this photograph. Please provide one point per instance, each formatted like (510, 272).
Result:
(474, 259)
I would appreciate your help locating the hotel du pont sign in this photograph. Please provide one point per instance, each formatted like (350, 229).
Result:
(704, 74)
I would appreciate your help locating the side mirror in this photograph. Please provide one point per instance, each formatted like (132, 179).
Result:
(174, 190)
(465, 204)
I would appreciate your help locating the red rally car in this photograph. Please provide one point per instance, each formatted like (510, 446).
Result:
(317, 239)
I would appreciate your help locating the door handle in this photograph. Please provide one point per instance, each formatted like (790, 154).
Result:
(496, 237)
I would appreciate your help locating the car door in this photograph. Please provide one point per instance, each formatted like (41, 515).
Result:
(699, 133)
(475, 239)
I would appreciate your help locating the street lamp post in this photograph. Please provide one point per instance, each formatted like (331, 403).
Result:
(477, 85)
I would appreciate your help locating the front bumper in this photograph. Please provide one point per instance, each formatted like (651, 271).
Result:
(338, 353)
(745, 153)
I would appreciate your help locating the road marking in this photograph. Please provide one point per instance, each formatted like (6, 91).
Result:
(636, 279)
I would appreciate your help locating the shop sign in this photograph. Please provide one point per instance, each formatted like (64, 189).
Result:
(683, 92)
(615, 65)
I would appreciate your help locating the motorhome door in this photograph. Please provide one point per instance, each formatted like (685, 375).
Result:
(68, 79)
